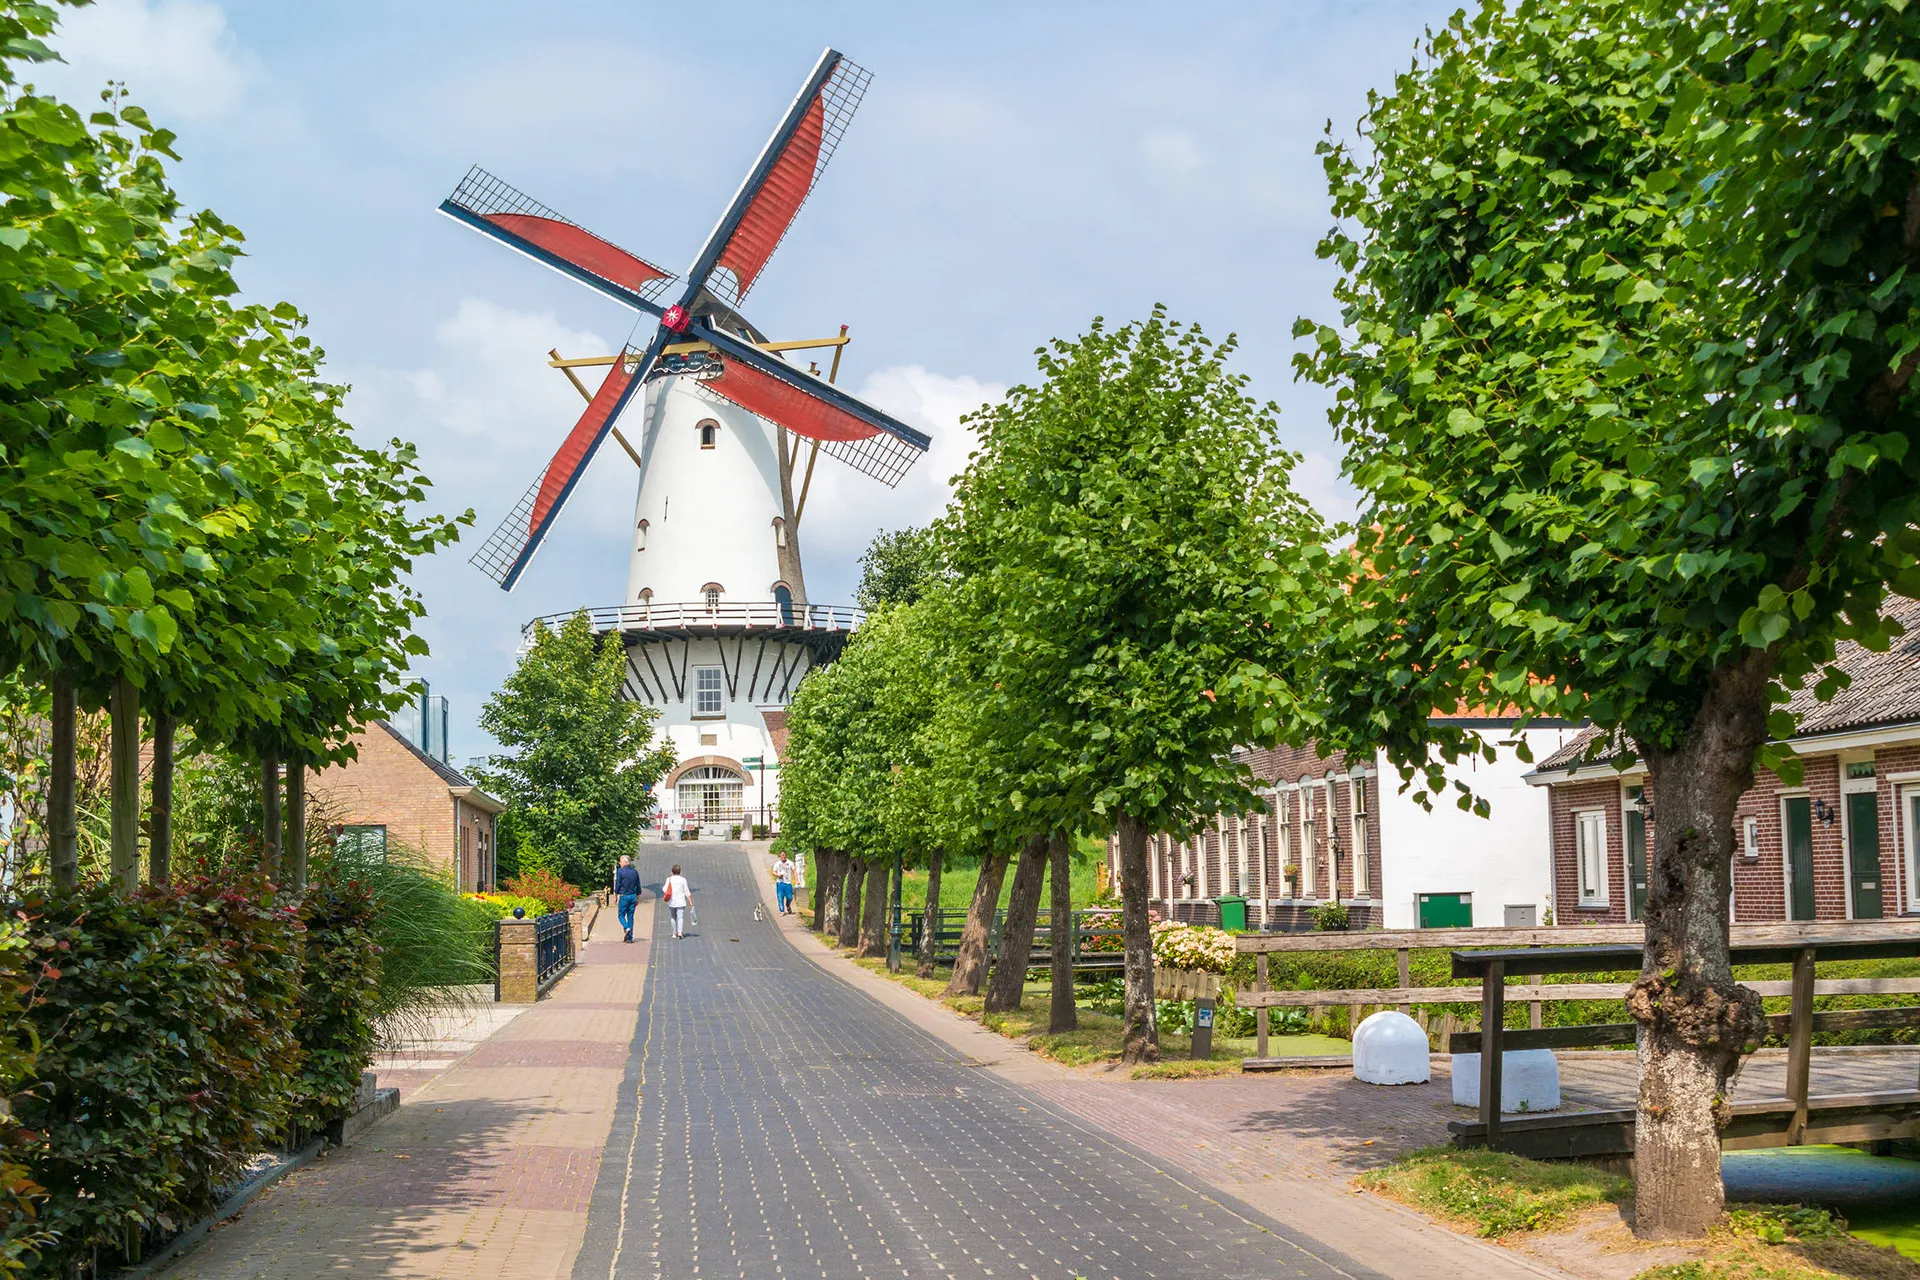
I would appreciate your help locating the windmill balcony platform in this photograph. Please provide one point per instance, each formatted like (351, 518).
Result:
(697, 619)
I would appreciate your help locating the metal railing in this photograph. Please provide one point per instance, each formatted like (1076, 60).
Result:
(553, 945)
(698, 615)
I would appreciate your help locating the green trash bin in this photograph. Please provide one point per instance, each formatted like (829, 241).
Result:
(1233, 911)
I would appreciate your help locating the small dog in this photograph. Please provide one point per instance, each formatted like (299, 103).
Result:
(756, 912)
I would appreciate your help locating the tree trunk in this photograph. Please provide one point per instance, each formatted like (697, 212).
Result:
(1063, 1017)
(63, 826)
(873, 921)
(1008, 980)
(1140, 1039)
(970, 963)
(297, 824)
(123, 802)
(930, 916)
(1695, 1020)
(160, 802)
(850, 902)
(270, 815)
(829, 867)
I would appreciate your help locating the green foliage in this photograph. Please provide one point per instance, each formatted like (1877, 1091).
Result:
(339, 999)
(1494, 1193)
(900, 567)
(553, 893)
(21, 958)
(579, 766)
(1330, 917)
(500, 906)
(166, 1025)
(1113, 534)
(1625, 360)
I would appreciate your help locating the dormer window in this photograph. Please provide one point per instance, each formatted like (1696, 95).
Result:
(709, 433)
(712, 594)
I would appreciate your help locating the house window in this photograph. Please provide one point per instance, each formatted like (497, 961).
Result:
(1860, 769)
(367, 843)
(1913, 852)
(1750, 839)
(709, 433)
(1361, 871)
(706, 691)
(1590, 849)
(1308, 854)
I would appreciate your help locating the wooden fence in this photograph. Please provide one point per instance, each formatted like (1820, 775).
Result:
(1406, 997)
(1092, 951)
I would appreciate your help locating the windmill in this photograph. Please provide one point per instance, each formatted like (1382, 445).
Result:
(717, 622)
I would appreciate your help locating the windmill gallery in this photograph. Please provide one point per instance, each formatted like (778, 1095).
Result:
(717, 622)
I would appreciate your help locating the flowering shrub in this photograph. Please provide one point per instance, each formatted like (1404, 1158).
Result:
(1104, 925)
(499, 906)
(1196, 948)
(554, 893)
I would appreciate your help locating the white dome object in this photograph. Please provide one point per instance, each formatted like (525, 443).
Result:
(1529, 1080)
(1390, 1048)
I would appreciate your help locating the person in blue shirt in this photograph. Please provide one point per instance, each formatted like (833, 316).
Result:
(626, 887)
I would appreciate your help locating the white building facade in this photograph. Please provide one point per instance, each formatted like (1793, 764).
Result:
(1338, 828)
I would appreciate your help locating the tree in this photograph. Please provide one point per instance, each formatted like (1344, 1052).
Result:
(580, 762)
(899, 567)
(1112, 536)
(1625, 373)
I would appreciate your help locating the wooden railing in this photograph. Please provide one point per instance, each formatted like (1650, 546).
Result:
(698, 615)
(1851, 941)
(949, 923)
(1625, 940)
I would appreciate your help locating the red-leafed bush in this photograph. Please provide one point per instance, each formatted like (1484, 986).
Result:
(553, 892)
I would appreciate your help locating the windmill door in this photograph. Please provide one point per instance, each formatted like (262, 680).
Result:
(1799, 815)
(1863, 853)
(1636, 856)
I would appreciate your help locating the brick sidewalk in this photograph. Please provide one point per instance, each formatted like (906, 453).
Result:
(486, 1168)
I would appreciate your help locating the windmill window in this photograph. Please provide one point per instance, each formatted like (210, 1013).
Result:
(640, 538)
(706, 691)
(711, 594)
(709, 433)
(779, 532)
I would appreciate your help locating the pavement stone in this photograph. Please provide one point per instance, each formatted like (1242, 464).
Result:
(775, 1122)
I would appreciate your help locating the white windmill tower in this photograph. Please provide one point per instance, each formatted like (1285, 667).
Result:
(717, 623)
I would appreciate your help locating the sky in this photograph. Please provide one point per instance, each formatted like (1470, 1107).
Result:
(1014, 171)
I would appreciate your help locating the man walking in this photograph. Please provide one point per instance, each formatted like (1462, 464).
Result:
(626, 887)
(783, 884)
(678, 898)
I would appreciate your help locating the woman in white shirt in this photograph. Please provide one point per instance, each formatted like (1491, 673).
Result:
(678, 898)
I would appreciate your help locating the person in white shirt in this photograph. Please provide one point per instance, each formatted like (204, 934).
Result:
(678, 898)
(783, 884)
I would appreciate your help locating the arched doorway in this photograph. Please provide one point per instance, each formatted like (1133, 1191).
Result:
(709, 793)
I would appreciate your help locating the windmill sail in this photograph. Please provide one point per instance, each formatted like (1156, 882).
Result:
(507, 552)
(517, 220)
(779, 183)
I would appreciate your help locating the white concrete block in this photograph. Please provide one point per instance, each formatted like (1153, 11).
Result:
(1529, 1081)
(1390, 1048)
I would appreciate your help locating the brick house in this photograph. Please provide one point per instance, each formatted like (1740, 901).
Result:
(1840, 846)
(1392, 863)
(396, 794)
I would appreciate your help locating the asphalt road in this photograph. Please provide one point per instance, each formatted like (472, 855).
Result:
(777, 1123)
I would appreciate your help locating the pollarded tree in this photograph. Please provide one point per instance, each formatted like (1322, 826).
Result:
(579, 762)
(1115, 534)
(1626, 373)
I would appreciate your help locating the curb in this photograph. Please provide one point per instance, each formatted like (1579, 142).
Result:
(230, 1207)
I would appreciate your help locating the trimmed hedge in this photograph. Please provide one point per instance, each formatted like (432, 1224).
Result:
(22, 958)
(339, 998)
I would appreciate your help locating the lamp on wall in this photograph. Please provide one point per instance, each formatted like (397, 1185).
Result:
(1824, 811)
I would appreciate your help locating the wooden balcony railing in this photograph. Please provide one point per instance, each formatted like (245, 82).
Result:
(698, 615)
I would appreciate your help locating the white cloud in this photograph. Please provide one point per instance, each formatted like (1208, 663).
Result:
(177, 57)
(846, 509)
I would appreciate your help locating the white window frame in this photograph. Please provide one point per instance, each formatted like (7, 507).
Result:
(1283, 835)
(1308, 858)
(1786, 850)
(1584, 883)
(1750, 837)
(1908, 827)
(1362, 872)
(700, 692)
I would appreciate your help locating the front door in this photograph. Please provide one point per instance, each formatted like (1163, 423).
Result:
(1863, 853)
(1800, 857)
(1636, 857)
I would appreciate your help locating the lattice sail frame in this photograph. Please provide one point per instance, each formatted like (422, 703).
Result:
(883, 456)
(839, 97)
(485, 197)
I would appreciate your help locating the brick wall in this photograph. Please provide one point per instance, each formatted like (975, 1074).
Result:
(390, 786)
(1759, 884)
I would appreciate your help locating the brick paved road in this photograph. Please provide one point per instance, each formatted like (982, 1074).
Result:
(777, 1123)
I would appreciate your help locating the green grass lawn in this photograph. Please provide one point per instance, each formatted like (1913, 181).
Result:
(956, 883)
